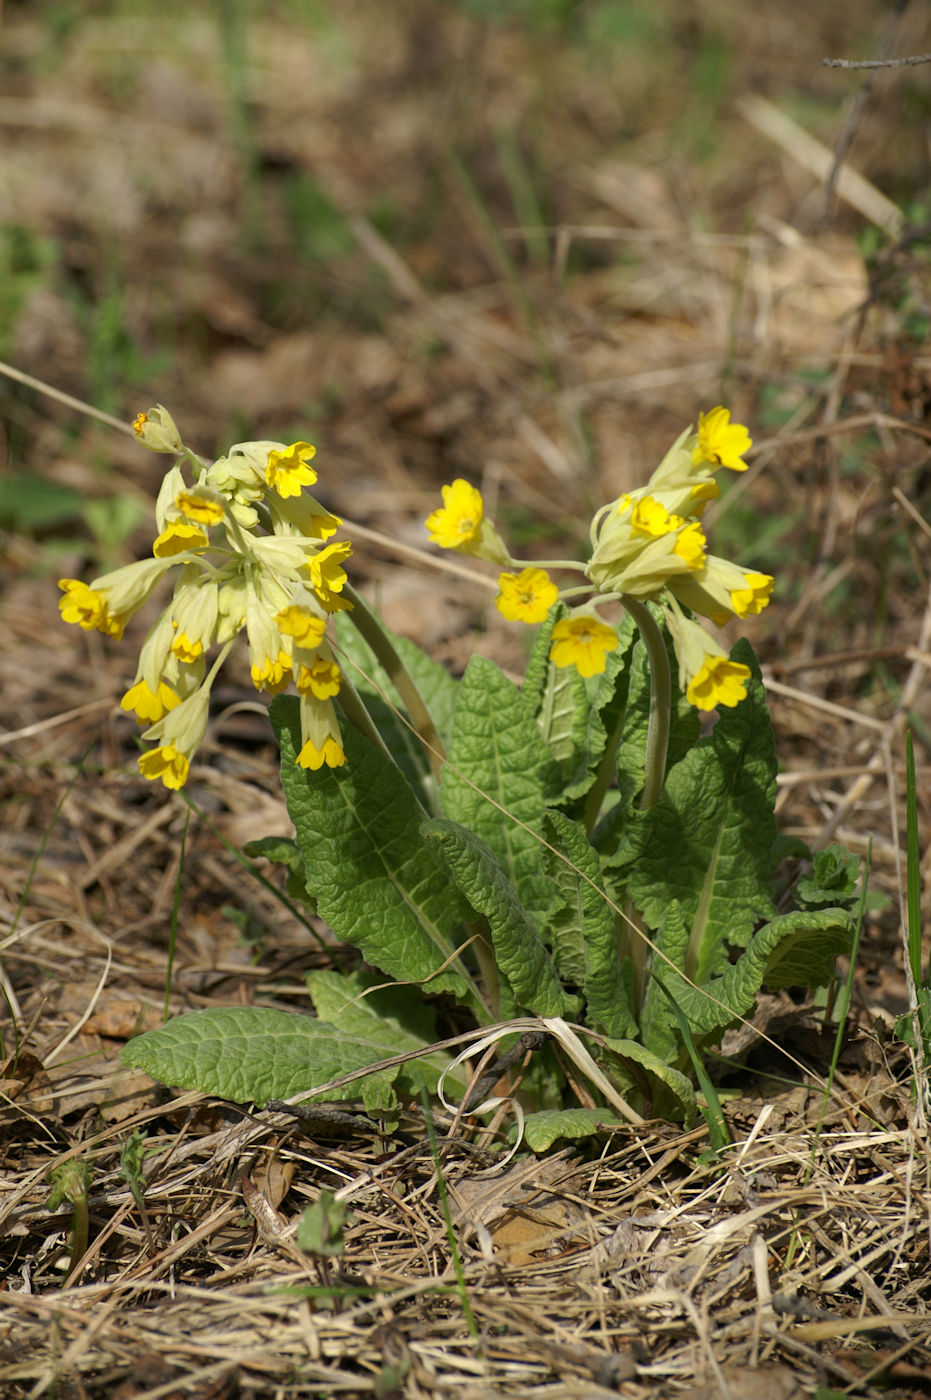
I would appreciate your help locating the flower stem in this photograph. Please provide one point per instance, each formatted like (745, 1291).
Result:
(353, 707)
(660, 700)
(373, 632)
(547, 564)
(654, 768)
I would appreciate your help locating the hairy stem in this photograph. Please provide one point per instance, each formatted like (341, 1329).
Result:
(372, 632)
(654, 768)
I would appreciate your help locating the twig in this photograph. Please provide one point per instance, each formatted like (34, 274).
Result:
(905, 62)
(857, 110)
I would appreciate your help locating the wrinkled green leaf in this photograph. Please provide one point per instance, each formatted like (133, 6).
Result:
(708, 840)
(583, 931)
(668, 1089)
(542, 1129)
(250, 1053)
(396, 1016)
(499, 778)
(793, 950)
(833, 880)
(519, 951)
(365, 862)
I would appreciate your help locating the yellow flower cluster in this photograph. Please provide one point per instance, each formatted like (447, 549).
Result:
(648, 544)
(250, 550)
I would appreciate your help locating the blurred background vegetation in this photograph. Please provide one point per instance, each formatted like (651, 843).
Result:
(523, 241)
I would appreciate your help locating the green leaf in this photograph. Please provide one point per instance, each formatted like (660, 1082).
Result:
(583, 931)
(793, 950)
(519, 951)
(542, 1129)
(320, 1228)
(250, 1053)
(398, 1017)
(708, 840)
(658, 1028)
(500, 777)
(284, 851)
(833, 880)
(670, 1089)
(365, 862)
(602, 719)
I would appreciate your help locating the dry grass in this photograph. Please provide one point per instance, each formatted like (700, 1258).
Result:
(674, 274)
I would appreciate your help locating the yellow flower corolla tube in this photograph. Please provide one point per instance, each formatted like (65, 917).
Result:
(269, 648)
(301, 624)
(321, 678)
(328, 577)
(527, 596)
(107, 604)
(83, 606)
(194, 612)
(721, 590)
(149, 706)
(302, 515)
(321, 741)
(582, 641)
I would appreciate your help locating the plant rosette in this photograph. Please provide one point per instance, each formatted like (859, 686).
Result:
(571, 854)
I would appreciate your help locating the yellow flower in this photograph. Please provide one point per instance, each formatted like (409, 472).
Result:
(331, 754)
(720, 589)
(148, 705)
(300, 623)
(201, 505)
(180, 733)
(89, 608)
(459, 520)
(527, 596)
(720, 681)
(272, 675)
(650, 517)
(706, 673)
(320, 737)
(287, 471)
(582, 641)
(720, 441)
(167, 763)
(187, 649)
(321, 679)
(81, 605)
(327, 575)
(194, 612)
(751, 600)
(177, 537)
(690, 545)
